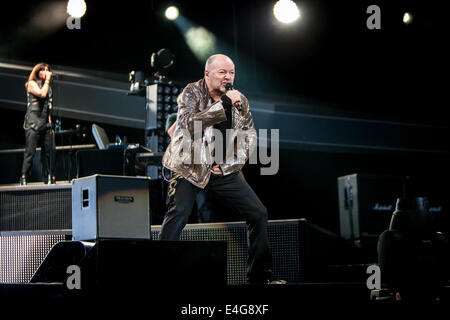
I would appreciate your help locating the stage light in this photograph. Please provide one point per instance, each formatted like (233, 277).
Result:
(407, 18)
(162, 61)
(172, 13)
(286, 11)
(201, 41)
(76, 8)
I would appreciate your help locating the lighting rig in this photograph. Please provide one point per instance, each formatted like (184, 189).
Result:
(160, 102)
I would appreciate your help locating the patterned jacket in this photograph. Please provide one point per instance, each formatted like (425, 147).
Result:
(190, 152)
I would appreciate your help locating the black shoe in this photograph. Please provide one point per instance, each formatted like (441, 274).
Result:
(51, 179)
(23, 181)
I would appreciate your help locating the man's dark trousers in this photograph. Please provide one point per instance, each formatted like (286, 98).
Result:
(238, 194)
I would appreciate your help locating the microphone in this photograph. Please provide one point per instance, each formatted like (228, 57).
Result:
(237, 104)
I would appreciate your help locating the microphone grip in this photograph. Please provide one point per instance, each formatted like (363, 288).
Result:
(237, 104)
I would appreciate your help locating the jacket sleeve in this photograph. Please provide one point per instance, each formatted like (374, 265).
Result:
(244, 139)
(188, 110)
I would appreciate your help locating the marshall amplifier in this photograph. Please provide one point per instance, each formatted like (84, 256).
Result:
(435, 189)
(110, 207)
(366, 202)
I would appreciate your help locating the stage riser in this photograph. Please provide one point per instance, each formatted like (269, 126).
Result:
(22, 253)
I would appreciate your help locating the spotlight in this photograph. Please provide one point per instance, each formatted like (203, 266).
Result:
(172, 13)
(201, 41)
(76, 8)
(286, 11)
(162, 61)
(407, 18)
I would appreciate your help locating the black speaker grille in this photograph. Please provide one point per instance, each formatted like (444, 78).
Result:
(47, 208)
(285, 244)
(283, 238)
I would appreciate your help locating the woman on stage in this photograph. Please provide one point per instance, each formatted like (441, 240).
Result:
(38, 123)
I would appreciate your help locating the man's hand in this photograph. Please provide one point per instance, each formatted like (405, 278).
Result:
(234, 95)
(216, 170)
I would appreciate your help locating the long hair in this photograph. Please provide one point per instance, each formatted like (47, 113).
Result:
(34, 75)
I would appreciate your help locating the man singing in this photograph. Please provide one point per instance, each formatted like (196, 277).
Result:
(203, 106)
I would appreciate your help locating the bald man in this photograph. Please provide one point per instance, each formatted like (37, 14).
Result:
(207, 109)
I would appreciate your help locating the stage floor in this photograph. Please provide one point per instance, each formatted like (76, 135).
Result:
(291, 301)
(35, 185)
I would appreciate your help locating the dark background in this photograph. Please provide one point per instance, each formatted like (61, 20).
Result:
(329, 57)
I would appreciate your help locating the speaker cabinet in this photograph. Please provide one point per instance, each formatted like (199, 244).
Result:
(110, 207)
(35, 207)
(301, 251)
(366, 202)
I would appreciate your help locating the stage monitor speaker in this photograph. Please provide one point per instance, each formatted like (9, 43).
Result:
(116, 207)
